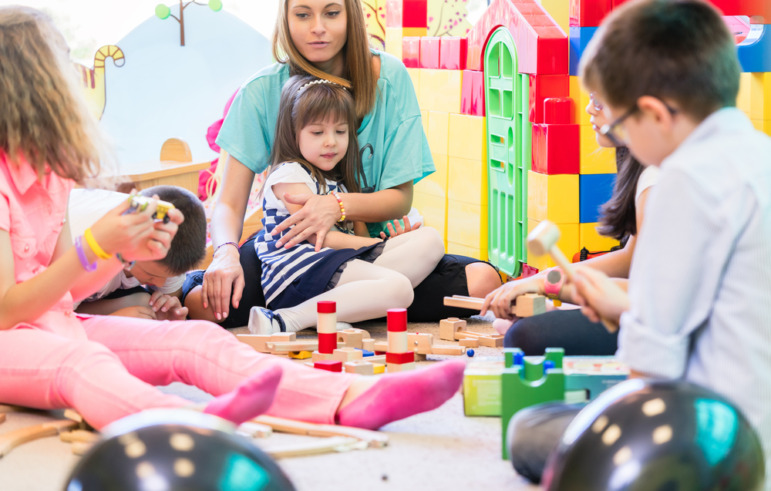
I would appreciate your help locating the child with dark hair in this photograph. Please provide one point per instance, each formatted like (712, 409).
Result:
(148, 289)
(621, 218)
(700, 283)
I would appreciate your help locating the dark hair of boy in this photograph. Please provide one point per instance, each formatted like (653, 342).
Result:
(619, 217)
(189, 244)
(679, 50)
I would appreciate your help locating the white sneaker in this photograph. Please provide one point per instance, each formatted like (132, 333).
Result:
(342, 326)
(264, 321)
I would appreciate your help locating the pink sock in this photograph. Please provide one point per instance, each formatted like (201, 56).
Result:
(403, 394)
(250, 399)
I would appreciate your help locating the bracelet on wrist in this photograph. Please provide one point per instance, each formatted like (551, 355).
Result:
(94, 245)
(224, 244)
(339, 202)
(82, 255)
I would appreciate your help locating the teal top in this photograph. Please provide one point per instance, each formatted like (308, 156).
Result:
(392, 143)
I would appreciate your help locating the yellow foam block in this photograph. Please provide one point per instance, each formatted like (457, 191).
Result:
(414, 74)
(467, 225)
(567, 243)
(553, 197)
(760, 95)
(440, 90)
(595, 159)
(559, 10)
(467, 137)
(393, 41)
(467, 181)
(763, 125)
(592, 240)
(415, 31)
(438, 132)
(743, 100)
(468, 251)
(435, 184)
(434, 211)
(581, 98)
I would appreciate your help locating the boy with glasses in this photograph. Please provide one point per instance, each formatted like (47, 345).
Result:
(700, 284)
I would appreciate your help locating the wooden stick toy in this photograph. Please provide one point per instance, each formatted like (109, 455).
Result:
(543, 240)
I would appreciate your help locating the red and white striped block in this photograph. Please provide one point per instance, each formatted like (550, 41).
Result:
(398, 357)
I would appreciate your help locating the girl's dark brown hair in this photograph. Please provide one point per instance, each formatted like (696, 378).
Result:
(619, 213)
(306, 100)
(359, 76)
(44, 119)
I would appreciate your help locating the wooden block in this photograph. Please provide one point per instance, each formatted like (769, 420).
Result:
(350, 338)
(257, 341)
(529, 304)
(83, 436)
(254, 430)
(329, 365)
(346, 354)
(449, 327)
(469, 335)
(447, 349)
(286, 346)
(403, 367)
(316, 356)
(377, 359)
(471, 303)
(400, 358)
(469, 342)
(491, 341)
(73, 415)
(368, 344)
(283, 337)
(381, 346)
(361, 367)
(300, 355)
(420, 342)
(12, 439)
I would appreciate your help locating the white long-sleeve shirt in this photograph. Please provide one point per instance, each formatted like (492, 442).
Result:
(700, 283)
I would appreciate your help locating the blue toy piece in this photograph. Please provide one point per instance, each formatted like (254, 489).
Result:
(366, 353)
(469, 353)
(755, 51)
(594, 190)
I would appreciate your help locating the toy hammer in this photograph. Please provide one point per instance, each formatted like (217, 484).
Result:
(543, 240)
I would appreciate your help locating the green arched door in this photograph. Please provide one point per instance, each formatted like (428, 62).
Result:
(509, 148)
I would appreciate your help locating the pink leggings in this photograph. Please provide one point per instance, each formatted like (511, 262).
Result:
(112, 369)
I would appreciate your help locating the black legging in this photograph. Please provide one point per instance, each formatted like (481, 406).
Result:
(568, 329)
(447, 279)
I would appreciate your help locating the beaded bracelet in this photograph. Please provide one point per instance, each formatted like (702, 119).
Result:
(339, 202)
(92, 243)
(82, 255)
(224, 244)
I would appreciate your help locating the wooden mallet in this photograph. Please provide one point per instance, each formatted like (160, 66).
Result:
(543, 240)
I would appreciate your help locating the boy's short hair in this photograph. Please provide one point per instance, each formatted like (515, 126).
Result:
(189, 244)
(680, 50)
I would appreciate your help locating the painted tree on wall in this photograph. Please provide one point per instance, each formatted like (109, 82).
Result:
(375, 19)
(163, 12)
(448, 18)
(445, 18)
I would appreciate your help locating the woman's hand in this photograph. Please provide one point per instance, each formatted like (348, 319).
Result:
(316, 217)
(224, 278)
(397, 229)
(136, 236)
(501, 299)
(600, 298)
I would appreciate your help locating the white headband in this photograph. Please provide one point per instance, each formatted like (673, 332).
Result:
(317, 81)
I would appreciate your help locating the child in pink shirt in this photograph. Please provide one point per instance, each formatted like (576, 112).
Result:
(107, 367)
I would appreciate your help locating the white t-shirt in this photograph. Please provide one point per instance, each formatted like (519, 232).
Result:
(86, 206)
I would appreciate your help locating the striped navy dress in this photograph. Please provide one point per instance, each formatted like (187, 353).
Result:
(291, 276)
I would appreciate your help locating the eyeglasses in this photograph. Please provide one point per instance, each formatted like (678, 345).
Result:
(596, 104)
(617, 133)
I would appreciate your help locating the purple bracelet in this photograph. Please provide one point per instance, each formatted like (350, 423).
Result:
(82, 255)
